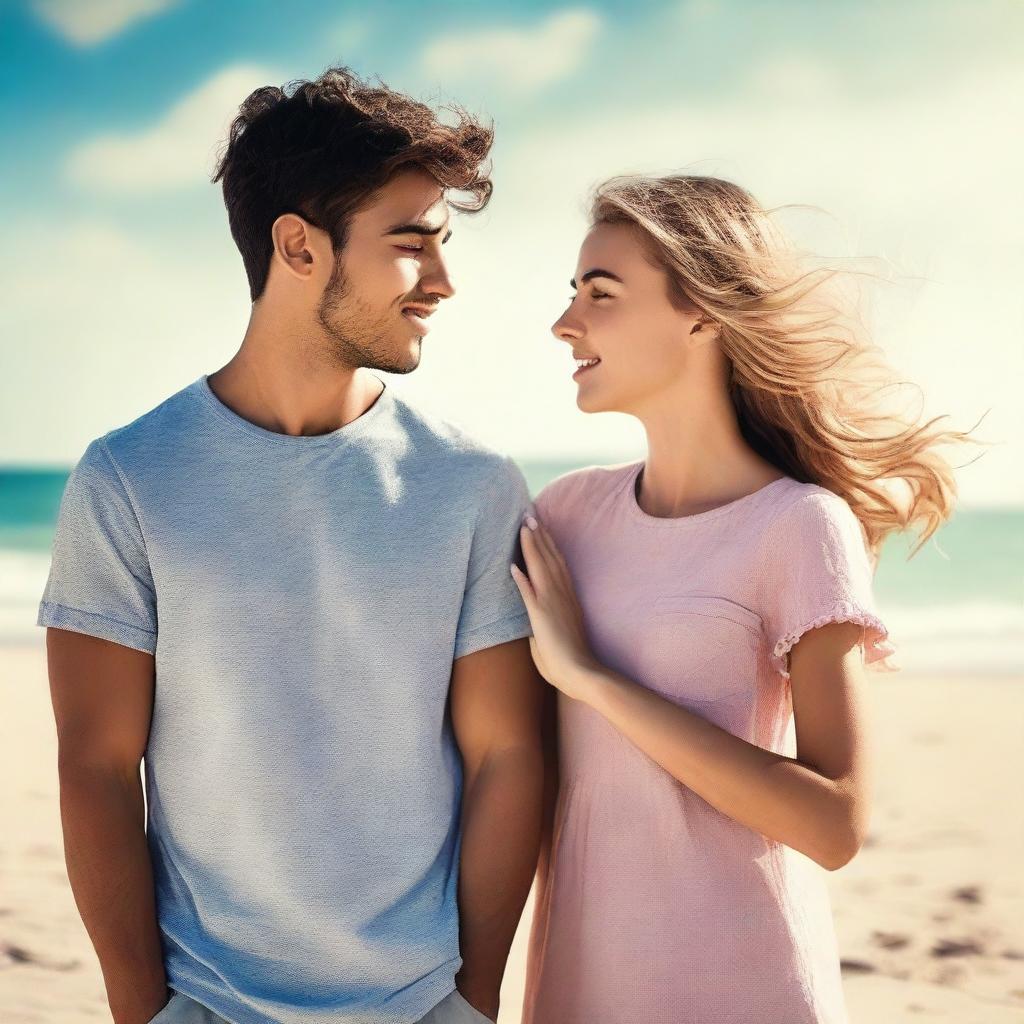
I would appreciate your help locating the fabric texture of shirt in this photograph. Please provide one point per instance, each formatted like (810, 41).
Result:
(304, 598)
(656, 906)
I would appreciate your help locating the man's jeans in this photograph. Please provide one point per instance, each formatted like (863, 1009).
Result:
(453, 1009)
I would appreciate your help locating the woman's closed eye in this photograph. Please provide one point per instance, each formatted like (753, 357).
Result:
(594, 294)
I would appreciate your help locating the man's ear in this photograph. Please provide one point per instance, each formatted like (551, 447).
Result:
(294, 243)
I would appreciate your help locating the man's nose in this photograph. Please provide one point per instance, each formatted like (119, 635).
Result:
(438, 282)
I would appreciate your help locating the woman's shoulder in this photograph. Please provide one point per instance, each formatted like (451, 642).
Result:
(580, 485)
(811, 521)
(800, 505)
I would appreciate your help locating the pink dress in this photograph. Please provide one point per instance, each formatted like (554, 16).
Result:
(658, 908)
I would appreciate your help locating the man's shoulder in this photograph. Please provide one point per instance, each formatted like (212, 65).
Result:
(150, 432)
(449, 446)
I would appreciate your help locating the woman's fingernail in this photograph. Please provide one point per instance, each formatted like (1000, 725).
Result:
(531, 522)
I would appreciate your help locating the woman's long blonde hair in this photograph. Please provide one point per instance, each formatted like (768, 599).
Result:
(807, 384)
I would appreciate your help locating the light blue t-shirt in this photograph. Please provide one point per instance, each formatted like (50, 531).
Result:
(304, 598)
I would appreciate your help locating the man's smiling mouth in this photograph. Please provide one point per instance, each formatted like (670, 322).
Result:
(417, 316)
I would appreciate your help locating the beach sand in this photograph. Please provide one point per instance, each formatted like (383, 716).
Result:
(930, 914)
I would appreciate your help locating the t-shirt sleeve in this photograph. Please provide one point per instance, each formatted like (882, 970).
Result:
(819, 572)
(492, 607)
(100, 581)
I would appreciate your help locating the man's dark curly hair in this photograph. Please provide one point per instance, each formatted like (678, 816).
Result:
(321, 148)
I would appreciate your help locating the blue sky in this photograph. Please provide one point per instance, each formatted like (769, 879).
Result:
(121, 283)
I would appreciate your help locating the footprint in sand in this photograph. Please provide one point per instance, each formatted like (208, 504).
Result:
(16, 955)
(11, 954)
(956, 947)
(890, 940)
(857, 967)
(968, 894)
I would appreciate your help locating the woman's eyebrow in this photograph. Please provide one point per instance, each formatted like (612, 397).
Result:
(596, 272)
(418, 229)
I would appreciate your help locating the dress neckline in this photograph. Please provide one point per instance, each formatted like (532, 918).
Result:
(637, 514)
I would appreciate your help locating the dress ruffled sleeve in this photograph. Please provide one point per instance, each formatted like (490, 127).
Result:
(819, 571)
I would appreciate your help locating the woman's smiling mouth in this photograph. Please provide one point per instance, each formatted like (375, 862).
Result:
(584, 364)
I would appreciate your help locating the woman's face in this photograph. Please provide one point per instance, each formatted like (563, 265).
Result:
(622, 316)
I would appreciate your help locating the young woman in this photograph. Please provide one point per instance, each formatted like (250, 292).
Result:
(704, 616)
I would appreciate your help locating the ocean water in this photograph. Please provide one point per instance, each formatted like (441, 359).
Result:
(956, 606)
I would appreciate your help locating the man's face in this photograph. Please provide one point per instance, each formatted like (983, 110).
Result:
(390, 276)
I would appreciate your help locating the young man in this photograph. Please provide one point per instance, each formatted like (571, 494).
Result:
(289, 591)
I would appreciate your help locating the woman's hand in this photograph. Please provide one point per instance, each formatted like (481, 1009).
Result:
(561, 650)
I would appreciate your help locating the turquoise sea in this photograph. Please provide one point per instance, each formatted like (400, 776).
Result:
(957, 606)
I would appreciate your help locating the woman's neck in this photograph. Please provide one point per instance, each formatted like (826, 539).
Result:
(697, 458)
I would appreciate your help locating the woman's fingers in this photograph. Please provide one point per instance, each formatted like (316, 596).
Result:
(537, 532)
(545, 562)
(552, 546)
(526, 590)
(554, 561)
(535, 558)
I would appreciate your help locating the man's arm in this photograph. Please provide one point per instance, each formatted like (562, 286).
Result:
(102, 697)
(551, 784)
(497, 701)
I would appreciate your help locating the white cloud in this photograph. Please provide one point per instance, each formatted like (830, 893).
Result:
(88, 22)
(178, 151)
(521, 59)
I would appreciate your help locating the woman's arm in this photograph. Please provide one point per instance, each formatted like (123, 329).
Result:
(816, 803)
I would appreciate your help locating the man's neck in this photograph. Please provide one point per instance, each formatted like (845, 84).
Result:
(299, 400)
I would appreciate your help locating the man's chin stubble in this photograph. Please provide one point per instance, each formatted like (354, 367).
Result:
(406, 363)
(349, 354)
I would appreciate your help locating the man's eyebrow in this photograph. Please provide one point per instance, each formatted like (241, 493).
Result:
(597, 272)
(418, 229)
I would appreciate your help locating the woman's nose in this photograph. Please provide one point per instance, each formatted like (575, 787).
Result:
(565, 329)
